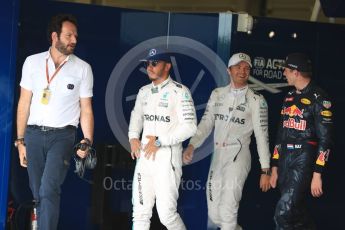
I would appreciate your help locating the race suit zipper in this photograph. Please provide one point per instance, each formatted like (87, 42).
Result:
(238, 150)
(172, 165)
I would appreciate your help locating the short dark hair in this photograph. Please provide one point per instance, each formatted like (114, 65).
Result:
(306, 74)
(56, 22)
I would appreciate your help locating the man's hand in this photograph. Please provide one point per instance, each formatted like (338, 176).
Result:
(150, 148)
(135, 148)
(22, 155)
(188, 154)
(316, 185)
(82, 153)
(274, 177)
(265, 181)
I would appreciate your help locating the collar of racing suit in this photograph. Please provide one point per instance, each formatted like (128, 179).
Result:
(307, 88)
(238, 91)
(160, 86)
(239, 94)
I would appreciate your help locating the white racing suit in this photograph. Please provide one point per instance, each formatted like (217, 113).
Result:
(167, 112)
(234, 113)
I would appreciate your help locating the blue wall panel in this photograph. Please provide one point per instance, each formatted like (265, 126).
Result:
(8, 43)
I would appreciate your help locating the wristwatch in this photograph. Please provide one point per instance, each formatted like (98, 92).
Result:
(266, 172)
(158, 143)
(19, 141)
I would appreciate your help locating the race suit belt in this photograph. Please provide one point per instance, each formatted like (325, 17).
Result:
(48, 128)
(234, 142)
(300, 141)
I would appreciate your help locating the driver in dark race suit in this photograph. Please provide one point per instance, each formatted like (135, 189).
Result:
(303, 144)
(165, 115)
(234, 111)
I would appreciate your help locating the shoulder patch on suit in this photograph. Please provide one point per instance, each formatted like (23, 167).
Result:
(178, 85)
(256, 93)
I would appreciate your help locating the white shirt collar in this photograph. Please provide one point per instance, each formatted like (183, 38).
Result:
(48, 56)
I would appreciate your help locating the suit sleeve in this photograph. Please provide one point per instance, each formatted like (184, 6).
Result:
(277, 147)
(323, 117)
(186, 125)
(206, 124)
(260, 126)
(136, 121)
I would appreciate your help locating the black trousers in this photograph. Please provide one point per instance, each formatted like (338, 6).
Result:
(294, 179)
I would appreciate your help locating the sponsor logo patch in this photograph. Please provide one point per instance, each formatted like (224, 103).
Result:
(275, 153)
(305, 101)
(188, 114)
(163, 104)
(152, 52)
(221, 97)
(326, 113)
(292, 124)
(210, 186)
(326, 120)
(327, 104)
(178, 85)
(140, 190)
(154, 90)
(70, 86)
(289, 99)
(241, 108)
(293, 111)
(148, 117)
(186, 96)
(165, 96)
(223, 117)
(316, 95)
(238, 120)
(323, 157)
(263, 104)
(289, 146)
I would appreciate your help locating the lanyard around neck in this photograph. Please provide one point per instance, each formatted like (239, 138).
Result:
(55, 73)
